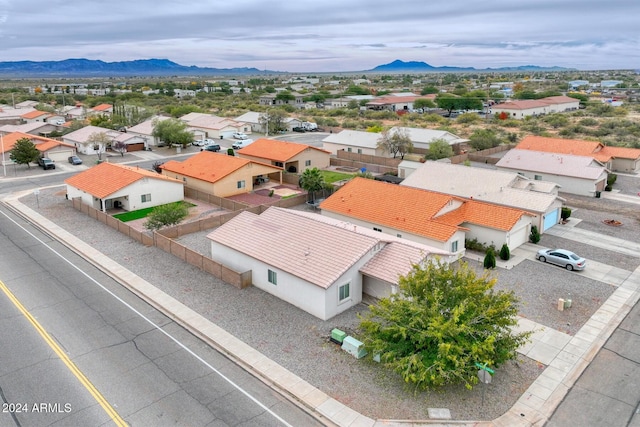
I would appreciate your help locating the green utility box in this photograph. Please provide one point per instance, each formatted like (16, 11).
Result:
(354, 347)
(338, 336)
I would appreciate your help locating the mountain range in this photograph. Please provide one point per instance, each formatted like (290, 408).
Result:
(164, 67)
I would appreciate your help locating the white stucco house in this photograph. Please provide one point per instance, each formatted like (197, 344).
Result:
(107, 185)
(81, 139)
(353, 141)
(145, 130)
(519, 109)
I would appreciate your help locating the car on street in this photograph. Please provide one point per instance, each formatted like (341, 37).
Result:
(211, 147)
(563, 258)
(299, 129)
(75, 160)
(203, 142)
(239, 135)
(46, 163)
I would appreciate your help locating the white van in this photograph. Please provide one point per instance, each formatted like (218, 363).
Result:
(241, 144)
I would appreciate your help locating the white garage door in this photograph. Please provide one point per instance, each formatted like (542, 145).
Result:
(518, 237)
(60, 156)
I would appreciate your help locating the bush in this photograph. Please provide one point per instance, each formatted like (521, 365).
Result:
(534, 236)
(565, 213)
(490, 259)
(505, 253)
(230, 152)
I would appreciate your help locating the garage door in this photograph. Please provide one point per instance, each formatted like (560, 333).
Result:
(550, 219)
(60, 156)
(518, 237)
(135, 147)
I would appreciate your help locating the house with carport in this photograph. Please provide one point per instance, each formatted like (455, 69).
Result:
(317, 264)
(581, 175)
(290, 156)
(109, 185)
(539, 198)
(434, 219)
(615, 159)
(219, 174)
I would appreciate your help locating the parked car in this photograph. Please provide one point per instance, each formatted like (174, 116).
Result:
(241, 144)
(562, 257)
(203, 142)
(239, 135)
(298, 129)
(46, 163)
(211, 147)
(75, 160)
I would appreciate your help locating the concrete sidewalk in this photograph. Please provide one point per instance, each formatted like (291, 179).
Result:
(565, 356)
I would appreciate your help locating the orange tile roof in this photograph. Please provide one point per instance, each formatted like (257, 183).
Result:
(274, 149)
(208, 166)
(403, 208)
(621, 152)
(34, 114)
(107, 178)
(9, 140)
(485, 214)
(560, 146)
(102, 107)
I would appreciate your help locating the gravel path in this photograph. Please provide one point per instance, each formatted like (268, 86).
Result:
(299, 341)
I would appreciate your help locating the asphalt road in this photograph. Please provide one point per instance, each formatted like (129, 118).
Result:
(79, 349)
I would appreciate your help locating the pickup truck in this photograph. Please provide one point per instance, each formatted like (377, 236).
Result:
(241, 144)
(46, 163)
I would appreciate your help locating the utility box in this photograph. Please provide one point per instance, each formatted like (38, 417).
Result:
(338, 336)
(354, 347)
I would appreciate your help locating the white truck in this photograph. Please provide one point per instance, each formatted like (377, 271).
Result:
(310, 127)
(241, 144)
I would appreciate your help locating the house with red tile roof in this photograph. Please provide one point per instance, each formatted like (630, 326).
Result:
(51, 148)
(290, 156)
(105, 109)
(616, 159)
(519, 109)
(434, 219)
(108, 185)
(219, 174)
(581, 175)
(35, 116)
(321, 265)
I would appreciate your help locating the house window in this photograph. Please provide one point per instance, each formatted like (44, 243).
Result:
(145, 198)
(241, 184)
(344, 292)
(307, 163)
(537, 177)
(377, 229)
(348, 149)
(454, 246)
(272, 277)
(359, 150)
(279, 164)
(399, 235)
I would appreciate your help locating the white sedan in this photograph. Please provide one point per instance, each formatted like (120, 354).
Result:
(239, 135)
(203, 142)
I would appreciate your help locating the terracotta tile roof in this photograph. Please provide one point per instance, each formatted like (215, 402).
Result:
(484, 214)
(107, 178)
(295, 244)
(102, 107)
(560, 99)
(34, 114)
(560, 146)
(403, 208)
(42, 143)
(621, 152)
(208, 166)
(275, 150)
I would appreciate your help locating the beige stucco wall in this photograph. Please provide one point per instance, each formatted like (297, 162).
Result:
(625, 165)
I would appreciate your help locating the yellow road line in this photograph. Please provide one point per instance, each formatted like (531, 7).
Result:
(61, 354)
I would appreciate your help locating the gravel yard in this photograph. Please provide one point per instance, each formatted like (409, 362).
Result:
(299, 341)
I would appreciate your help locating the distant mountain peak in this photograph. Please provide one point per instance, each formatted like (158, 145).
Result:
(398, 66)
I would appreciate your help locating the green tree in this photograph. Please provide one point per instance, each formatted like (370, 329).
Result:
(534, 235)
(285, 96)
(397, 142)
(442, 321)
(427, 90)
(505, 253)
(99, 141)
(272, 121)
(24, 152)
(172, 131)
(423, 103)
(166, 215)
(439, 149)
(481, 139)
(490, 258)
(311, 181)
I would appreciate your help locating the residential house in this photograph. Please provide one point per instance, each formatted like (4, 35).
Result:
(101, 109)
(500, 188)
(132, 141)
(520, 109)
(33, 128)
(35, 116)
(109, 185)
(395, 103)
(13, 116)
(77, 112)
(319, 265)
(290, 156)
(213, 127)
(581, 175)
(422, 138)
(51, 148)
(251, 118)
(434, 219)
(145, 131)
(354, 141)
(616, 159)
(82, 139)
(271, 99)
(219, 174)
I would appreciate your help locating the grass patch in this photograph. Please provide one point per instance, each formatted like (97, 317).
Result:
(142, 213)
(331, 176)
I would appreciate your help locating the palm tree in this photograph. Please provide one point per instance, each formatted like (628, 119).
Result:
(311, 181)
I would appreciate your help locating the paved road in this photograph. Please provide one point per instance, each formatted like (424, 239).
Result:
(95, 354)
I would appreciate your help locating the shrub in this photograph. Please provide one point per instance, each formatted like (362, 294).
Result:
(230, 152)
(565, 213)
(505, 253)
(534, 236)
(490, 259)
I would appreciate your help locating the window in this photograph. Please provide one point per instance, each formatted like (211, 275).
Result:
(307, 163)
(279, 164)
(272, 277)
(344, 292)
(454, 246)
(399, 235)
(377, 229)
(359, 150)
(145, 198)
(241, 184)
(537, 177)
(348, 149)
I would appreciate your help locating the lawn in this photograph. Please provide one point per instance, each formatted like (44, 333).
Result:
(331, 176)
(141, 213)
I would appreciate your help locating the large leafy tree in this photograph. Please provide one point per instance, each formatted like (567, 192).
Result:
(24, 152)
(312, 181)
(481, 139)
(397, 142)
(443, 321)
(272, 121)
(166, 215)
(172, 131)
(439, 149)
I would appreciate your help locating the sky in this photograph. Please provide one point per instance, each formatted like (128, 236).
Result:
(326, 35)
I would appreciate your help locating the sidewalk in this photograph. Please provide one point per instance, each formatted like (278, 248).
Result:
(565, 356)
